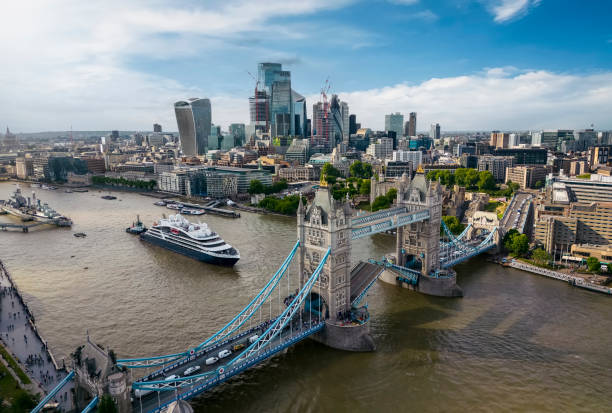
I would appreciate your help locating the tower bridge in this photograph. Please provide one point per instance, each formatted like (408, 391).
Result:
(321, 300)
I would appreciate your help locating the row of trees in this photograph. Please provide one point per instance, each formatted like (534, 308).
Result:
(467, 177)
(287, 205)
(105, 180)
(257, 187)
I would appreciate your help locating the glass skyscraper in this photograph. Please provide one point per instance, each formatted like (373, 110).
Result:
(193, 118)
(395, 122)
(276, 82)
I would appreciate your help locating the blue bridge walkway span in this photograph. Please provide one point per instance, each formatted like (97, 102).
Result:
(248, 339)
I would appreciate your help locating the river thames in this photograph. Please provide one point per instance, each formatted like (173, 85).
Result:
(514, 342)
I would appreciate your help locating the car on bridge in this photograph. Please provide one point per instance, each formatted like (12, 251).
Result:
(224, 353)
(191, 370)
(239, 346)
(211, 360)
(172, 377)
(253, 339)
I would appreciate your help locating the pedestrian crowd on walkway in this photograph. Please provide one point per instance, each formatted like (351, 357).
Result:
(21, 338)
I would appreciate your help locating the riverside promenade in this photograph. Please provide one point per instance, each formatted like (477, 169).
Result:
(20, 337)
(575, 281)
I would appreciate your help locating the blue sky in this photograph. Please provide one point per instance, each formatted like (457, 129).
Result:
(467, 64)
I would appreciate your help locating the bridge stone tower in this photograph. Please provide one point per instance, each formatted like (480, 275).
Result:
(326, 223)
(420, 240)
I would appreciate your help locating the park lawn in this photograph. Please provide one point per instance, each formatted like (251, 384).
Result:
(492, 206)
(9, 389)
(11, 361)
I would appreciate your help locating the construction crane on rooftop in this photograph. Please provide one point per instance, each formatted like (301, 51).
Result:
(257, 96)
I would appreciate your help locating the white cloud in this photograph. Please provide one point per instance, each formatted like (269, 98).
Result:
(493, 99)
(505, 10)
(73, 60)
(66, 62)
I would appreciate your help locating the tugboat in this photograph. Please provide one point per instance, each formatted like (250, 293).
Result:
(137, 227)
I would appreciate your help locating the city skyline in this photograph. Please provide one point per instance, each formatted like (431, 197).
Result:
(126, 70)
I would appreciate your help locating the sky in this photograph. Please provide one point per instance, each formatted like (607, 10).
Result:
(466, 64)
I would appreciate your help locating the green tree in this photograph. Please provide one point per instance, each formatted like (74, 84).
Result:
(364, 187)
(329, 171)
(520, 245)
(538, 184)
(471, 178)
(391, 195)
(486, 182)
(256, 187)
(380, 202)
(453, 224)
(507, 241)
(593, 264)
(356, 169)
(540, 256)
(107, 405)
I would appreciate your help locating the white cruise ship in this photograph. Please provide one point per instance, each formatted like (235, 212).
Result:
(194, 240)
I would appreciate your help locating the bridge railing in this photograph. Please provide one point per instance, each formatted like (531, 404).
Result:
(364, 219)
(238, 321)
(252, 351)
(394, 218)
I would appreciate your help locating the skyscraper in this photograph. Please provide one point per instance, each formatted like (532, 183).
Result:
(237, 130)
(413, 124)
(434, 132)
(193, 118)
(299, 113)
(276, 82)
(340, 120)
(352, 124)
(157, 127)
(395, 122)
(322, 129)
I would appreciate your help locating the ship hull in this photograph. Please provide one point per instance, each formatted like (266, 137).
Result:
(198, 255)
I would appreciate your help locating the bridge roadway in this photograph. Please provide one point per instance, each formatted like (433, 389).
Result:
(362, 277)
(150, 402)
(517, 211)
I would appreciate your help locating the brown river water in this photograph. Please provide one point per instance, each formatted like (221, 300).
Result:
(514, 342)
